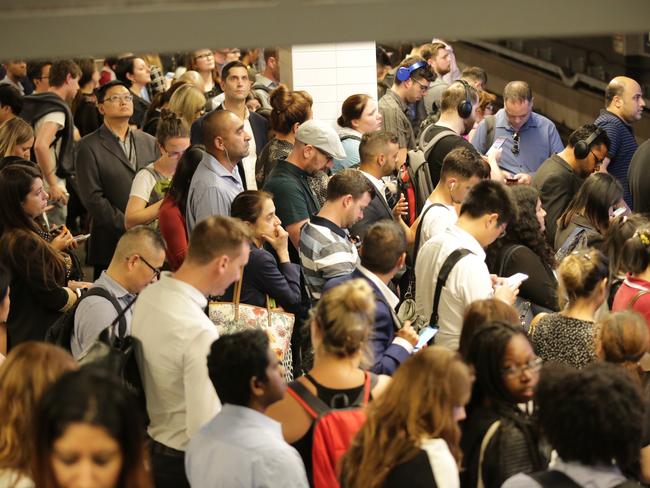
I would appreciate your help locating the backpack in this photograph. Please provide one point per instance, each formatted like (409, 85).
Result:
(333, 429)
(557, 479)
(414, 175)
(576, 240)
(60, 332)
(350, 136)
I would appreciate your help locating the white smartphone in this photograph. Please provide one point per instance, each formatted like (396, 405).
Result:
(516, 279)
(498, 142)
(81, 237)
(619, 211)
(426, 335)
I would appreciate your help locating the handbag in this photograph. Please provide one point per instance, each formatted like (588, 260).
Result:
(231, 317)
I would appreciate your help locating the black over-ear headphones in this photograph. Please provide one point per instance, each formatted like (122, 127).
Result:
(582, 148)
(465, 107)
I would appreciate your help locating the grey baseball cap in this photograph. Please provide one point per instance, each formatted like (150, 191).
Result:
(322, 136)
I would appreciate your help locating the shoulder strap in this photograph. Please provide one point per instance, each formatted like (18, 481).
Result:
(350, 136)
(435, 139)
(484, 443)
(260, 86)
(554, 479)
(490, 125)
(636, 297)
(100, 291)
(418, 232)
(313, 405)
(446, 268)
(506, 258)
(579, 229)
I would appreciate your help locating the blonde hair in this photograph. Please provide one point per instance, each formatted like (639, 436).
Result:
(624, 338)
(187, 101)
(344, 317)
(30, 368)
(418, 404)
(192, 77)
(13, 132)
(579, 273)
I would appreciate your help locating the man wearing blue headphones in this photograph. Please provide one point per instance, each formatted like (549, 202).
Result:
(411, 83)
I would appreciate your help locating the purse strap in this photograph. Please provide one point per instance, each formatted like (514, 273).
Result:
(484, 443)
(236, 296)
(636, 297)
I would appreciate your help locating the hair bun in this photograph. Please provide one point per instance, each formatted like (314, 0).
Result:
(280, 98)
(167, 114)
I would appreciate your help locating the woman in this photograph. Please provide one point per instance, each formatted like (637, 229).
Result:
(171, 218)
(87, 118)
(569, 336)
(290, 109)
(28, 371)
(188, 102)
(624, 341)
(507, 371)
(412, 431)
(619, 231)
(586, 219)
(264, 276)
(5, 280)
(43, 283)
(135, 74)
(340, 328)
(160, 101)
(152, 182)
(16, 141)
(634, 293)
(524, 250)
(202, 61)
(486, 101)
(88, 432)
(482, 312)
(359, 115)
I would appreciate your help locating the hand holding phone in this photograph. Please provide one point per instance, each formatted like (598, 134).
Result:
(81, 237)
(426, 335)
(516, 279)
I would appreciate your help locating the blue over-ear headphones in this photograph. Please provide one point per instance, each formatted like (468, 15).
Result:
(404, 73)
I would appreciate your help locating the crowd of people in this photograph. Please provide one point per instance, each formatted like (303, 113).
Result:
(432, 292)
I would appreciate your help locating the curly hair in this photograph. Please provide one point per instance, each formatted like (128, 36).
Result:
(524, 230)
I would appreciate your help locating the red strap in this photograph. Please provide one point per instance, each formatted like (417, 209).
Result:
(366, 388)
(302, 402)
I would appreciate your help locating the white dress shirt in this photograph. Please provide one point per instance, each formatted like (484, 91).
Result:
(176, 336)
(468, 281)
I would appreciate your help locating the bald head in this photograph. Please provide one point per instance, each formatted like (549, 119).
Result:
(623, 97)
(216, 124)
(138, 240)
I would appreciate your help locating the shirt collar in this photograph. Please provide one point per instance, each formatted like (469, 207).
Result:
(612, 115)
(167, 280)
(264, 422)
(219, 168)
(596, 476)
(390, 297)
(247, 114)
(502, 121)
(113, 286)
(292, 168)
(398, 99)
(323, 222)
(468, 240)
(377, 182)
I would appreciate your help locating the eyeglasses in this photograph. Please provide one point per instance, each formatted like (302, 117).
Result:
(534, 365)
(328, 156)
(204, 56)
(156, 271)
(119, 98)
(598, 161)
(423, 87)
(515, 144)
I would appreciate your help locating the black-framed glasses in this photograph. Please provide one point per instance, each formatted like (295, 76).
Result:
(515, 144)
(598, 161)
(534, 365)
(204, 56)
(423, 87)
(156, 271)
(327, 155)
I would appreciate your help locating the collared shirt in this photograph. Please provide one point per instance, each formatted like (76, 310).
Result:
(377, 183)
(249, 161)
(436, 220)
(622, 146)
(468, 281)
(175, 335)
(395, 119)
(18, 86)
(326, 252)
(212, 190)
(244, 448)
(294, 199)
(95, 313)
(538, 140)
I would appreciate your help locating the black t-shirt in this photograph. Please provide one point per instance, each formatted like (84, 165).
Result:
(441, 149)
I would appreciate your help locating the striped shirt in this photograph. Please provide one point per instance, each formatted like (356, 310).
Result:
(326, 251)
(622, 145)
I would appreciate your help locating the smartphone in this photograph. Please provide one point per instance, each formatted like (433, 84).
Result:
(511, 181)
(516, 279)
(81, 237)
(428, 333)
(498, 142)
(619, 211)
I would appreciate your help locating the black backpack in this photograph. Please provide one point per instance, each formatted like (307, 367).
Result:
(60, 332)
(557, 479)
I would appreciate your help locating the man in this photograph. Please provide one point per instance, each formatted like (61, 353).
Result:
(236, 87)
(326, 248)
(455, 123)
(11, 103)
(217, 181)
(560, 176)
(268, 79)
(383, 254)
(226, 55)
(241, 446)
(317, 143)
(39, 73)
(529, 139)
(175, 336)
(106, 163)
(462, 168)
(53, 123)
(16, 70)
(475, 76)
(484, 216)
(624, 102)
(638, 178)
(439, 59)
(411, 83)
(139, 255)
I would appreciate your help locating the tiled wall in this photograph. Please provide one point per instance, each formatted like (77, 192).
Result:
(332, 72)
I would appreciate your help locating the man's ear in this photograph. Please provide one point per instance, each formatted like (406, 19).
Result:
(347, 201)
(381, 159)
(257, 387)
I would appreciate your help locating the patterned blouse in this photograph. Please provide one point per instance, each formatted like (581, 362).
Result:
(565, 340)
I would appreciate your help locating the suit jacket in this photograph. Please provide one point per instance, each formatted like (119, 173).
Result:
(378, 209)
(386, 355)
(260, 128)
(105, 175)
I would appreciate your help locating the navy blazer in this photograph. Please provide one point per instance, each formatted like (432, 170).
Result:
(378, 209)
(386, 355)
(260, 128)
